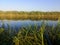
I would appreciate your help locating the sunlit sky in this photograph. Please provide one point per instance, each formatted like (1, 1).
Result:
(30, 5)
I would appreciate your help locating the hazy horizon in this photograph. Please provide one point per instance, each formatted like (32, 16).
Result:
(30, 5)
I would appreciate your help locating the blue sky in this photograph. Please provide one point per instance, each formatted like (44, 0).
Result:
(30, 5)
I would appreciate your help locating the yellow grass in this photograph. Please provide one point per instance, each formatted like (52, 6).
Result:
(30, 15)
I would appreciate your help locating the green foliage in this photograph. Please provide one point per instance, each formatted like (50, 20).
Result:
(1, 30)
(28, 36)
(31, 35)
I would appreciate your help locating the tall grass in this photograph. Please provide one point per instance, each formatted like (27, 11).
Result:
(31, 35)
(15, 15)
(28, 36)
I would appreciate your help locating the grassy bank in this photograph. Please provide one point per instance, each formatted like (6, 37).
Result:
(15, 15)
(45, 35)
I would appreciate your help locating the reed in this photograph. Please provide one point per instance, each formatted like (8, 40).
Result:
(15, 15)
(31, 35)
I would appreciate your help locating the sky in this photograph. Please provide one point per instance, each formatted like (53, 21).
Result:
(30, 5)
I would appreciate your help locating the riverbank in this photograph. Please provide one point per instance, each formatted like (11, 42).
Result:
(15, 15)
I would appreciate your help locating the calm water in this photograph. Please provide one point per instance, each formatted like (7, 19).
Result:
(17, 24)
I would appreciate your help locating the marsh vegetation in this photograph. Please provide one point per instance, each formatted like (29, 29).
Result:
(45, 33)
(33, 15)
(31, 35)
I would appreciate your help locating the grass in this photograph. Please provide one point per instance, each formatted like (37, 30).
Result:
(15, 15)
(45, 35)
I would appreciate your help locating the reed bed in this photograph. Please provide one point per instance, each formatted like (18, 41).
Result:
(15, 15)
(31, 35)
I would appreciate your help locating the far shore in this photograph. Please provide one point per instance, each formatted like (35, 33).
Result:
(15, 15)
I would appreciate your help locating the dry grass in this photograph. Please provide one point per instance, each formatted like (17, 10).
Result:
(30, 15)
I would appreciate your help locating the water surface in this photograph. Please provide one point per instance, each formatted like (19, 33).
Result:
(17, 24)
